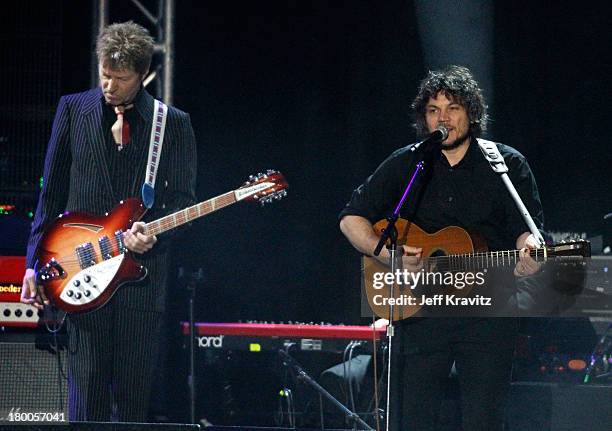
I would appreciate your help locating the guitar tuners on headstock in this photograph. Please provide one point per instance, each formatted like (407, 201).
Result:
(268, 172)
(276, 196)
(263, 187)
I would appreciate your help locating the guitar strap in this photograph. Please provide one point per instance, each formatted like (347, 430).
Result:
(160, 113)
(498, 164)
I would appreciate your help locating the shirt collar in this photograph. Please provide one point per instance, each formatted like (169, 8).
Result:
(468, 160)
(141, 103)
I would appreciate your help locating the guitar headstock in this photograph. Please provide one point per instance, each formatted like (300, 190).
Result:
(264, 188)
(573, 248)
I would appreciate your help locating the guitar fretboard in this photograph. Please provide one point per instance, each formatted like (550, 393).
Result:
(191, 213)
(480, 260)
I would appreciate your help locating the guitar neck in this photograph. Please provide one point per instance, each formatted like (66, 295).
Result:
(191, 213)
(480, 260)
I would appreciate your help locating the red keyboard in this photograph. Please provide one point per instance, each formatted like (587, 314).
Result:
(273, 336)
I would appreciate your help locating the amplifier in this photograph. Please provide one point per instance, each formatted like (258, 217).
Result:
(33, 373)
(558, 407)
(12, 312)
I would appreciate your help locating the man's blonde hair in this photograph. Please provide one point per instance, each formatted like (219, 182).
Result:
(125, 46)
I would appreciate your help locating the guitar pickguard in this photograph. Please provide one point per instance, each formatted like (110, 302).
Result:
(89, 283)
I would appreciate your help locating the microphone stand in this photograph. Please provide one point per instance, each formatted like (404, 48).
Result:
(302, 375)
(191, 282)
(389, 233)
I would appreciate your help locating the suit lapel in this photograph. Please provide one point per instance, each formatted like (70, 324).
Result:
(95, 133)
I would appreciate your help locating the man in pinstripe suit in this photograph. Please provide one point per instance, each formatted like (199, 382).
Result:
(88, 168)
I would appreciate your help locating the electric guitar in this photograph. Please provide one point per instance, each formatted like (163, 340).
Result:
(449, 250)
(83, 259)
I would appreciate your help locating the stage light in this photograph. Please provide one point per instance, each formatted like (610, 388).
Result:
(6, 209)
(576, 364)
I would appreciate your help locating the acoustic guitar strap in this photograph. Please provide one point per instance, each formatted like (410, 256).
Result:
(496, 161)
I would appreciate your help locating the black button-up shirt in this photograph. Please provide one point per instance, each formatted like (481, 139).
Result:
(469, 195)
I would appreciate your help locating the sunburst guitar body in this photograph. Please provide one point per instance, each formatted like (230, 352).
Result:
(82, 259)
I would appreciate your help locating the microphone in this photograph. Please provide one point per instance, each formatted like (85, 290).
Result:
(435, 137)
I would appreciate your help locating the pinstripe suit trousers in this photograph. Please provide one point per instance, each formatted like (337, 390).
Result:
(112, 354)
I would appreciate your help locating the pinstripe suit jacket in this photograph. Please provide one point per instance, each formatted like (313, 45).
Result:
(77, 179)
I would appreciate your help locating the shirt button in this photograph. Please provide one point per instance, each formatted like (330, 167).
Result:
(450, 169)
(450, 198)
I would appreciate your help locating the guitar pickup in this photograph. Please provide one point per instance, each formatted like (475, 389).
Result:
(119, 240)
(105, 247)
(86, 255)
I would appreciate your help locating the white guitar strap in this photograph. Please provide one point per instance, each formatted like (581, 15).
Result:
(160, 113)
(496, 160)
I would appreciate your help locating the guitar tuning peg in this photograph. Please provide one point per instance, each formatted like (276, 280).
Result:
(270, 171)
(252, 177)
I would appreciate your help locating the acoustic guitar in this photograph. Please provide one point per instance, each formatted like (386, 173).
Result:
(446, 253)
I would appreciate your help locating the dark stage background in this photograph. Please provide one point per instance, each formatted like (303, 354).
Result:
(321, 90)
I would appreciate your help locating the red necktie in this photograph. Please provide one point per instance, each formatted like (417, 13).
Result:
(121, 128)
